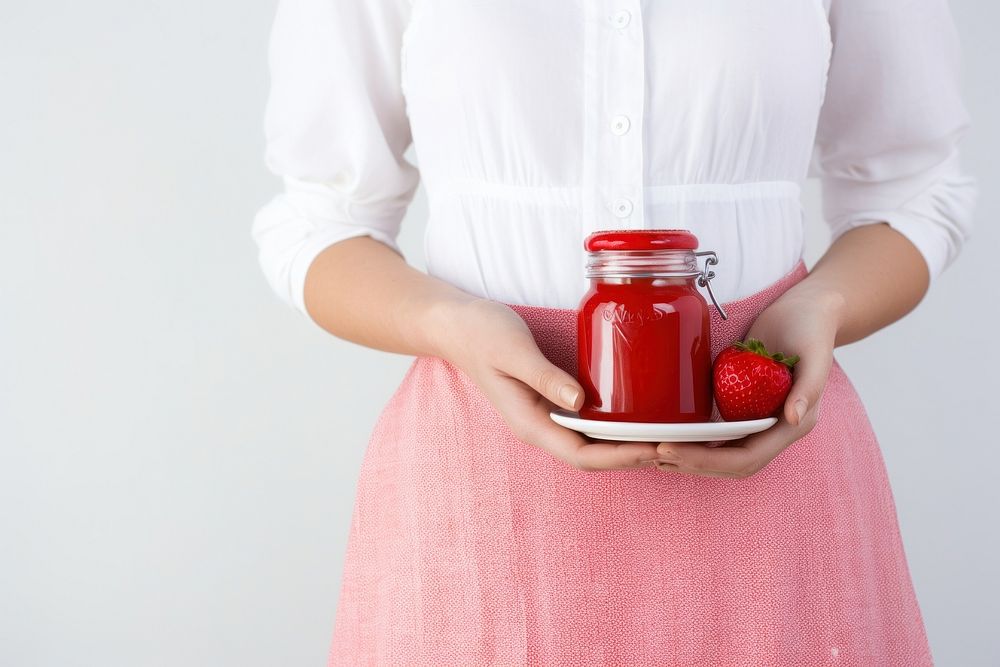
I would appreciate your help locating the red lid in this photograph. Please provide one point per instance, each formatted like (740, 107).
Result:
(641, 239)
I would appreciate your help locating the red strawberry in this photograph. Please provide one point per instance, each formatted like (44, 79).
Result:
(749, 382)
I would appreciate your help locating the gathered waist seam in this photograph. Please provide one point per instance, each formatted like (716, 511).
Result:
(725, 192)
(653, 194)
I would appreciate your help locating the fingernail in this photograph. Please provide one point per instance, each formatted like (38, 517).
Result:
(800, 409)
(568, 393)
(668, 455)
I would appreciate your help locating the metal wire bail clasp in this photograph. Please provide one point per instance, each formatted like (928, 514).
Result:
(705, 277)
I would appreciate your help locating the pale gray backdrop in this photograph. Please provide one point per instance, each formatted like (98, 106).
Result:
(178, 450)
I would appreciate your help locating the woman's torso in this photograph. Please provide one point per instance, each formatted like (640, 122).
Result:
(536, 123)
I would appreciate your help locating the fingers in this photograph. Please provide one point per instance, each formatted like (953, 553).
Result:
(591, 456)
(526, 363)
(528, 417)
(587, 455)
(807, 387)
(696, 459)
(741, 458)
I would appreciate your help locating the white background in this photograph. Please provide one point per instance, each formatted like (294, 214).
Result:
(179, 450)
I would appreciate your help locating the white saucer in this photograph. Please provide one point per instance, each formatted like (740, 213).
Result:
(644, 432)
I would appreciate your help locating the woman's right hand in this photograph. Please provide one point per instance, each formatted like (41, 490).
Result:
(494, 347)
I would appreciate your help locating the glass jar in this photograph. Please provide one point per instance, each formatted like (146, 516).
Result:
(644, 337)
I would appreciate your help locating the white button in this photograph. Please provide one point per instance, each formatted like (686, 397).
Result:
(621, 19)
(622, 207)
(620, 125)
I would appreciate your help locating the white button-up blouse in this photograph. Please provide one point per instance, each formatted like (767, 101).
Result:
(537, 122)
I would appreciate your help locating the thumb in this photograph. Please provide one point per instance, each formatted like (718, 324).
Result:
(530, 366)
(809, 379)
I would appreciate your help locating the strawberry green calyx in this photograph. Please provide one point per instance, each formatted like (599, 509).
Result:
(757, 347)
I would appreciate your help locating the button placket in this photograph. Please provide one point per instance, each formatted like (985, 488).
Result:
(623, 207)
(620, 150)
(621, 18)
(620, 125)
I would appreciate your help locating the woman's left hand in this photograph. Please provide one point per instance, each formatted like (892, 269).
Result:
(803, 321)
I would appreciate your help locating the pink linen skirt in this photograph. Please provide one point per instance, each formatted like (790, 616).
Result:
(470, 547)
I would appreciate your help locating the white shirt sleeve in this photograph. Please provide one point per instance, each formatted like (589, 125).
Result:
(336, 131)
(887, 142)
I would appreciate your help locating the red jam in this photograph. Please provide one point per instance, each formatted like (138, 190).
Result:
(644, 349)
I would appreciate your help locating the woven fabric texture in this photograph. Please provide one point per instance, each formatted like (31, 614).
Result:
(470, 547)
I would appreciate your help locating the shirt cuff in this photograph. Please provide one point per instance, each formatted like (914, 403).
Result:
(294, 228)
(938, 220)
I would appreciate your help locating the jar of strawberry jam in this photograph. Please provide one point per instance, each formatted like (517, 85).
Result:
(644, 339)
